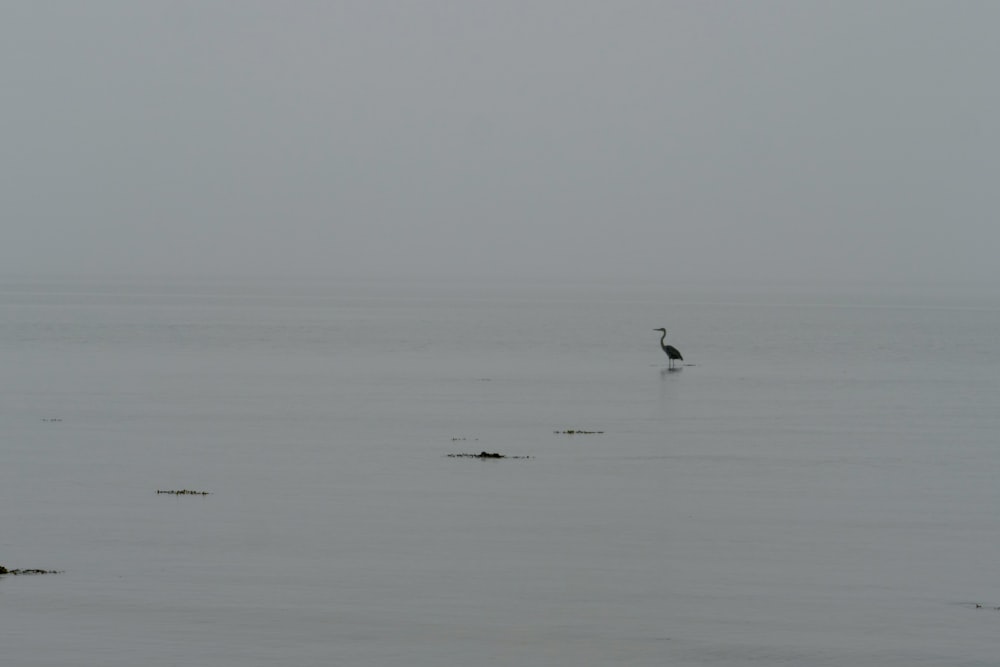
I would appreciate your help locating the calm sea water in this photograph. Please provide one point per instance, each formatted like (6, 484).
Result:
(817, 485)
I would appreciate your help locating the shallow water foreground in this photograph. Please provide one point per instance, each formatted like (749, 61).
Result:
(818, 487)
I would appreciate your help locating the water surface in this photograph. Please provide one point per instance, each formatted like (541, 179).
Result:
(815, 486)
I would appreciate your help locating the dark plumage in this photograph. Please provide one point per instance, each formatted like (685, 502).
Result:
(672, 352)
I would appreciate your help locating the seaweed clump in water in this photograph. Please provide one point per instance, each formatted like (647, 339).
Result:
(185, 492)
(486, 455)
(17, 572)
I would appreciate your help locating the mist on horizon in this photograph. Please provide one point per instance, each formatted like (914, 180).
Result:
(786, 141)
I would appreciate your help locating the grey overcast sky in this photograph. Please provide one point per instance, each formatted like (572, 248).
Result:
(823, 141)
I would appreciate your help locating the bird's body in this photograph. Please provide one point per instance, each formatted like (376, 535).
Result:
(672, 352)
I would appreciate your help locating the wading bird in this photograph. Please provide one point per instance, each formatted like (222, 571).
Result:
(671, 351)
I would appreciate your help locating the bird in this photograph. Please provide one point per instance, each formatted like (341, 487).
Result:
(671, 351)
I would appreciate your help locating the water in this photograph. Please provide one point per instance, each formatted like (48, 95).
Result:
(816, 486)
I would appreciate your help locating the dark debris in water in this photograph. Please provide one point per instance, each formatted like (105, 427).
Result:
(185, 492)
(17, 572)
(577, 431)
(486, 455)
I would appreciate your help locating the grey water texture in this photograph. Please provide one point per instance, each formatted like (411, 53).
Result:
(815, 484)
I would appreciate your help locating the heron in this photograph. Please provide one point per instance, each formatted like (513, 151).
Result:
(671, 351)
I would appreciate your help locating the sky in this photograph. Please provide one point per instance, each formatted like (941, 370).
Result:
(550, 139)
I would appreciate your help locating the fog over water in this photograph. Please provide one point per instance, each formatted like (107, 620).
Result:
(848, 141)
(295, 254)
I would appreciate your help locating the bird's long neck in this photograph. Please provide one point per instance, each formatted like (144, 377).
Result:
(663, 338)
